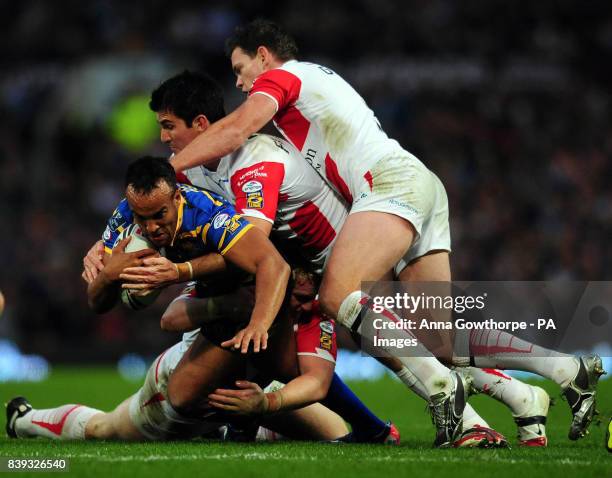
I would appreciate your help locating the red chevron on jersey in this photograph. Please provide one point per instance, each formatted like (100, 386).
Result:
(294, 126)
(334, 177)
(312, 227)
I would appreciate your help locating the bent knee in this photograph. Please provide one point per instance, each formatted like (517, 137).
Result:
(173, 320)
(186, 400)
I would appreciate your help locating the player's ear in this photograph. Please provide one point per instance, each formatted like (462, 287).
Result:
(200, 123)
(264, 54)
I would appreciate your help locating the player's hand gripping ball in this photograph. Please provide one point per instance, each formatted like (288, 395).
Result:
(136, 299)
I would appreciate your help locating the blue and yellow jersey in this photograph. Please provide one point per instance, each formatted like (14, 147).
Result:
(206, 223)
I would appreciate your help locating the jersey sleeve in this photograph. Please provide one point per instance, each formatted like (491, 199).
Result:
(225, 229)
(121, 218)
(316, 336)
(279, 85)
(257, 189)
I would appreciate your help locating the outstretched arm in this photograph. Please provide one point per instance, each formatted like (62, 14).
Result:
(227, 134)
(309, 387)
(255, 253)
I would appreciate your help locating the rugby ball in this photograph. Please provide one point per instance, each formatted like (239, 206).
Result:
(132, 298)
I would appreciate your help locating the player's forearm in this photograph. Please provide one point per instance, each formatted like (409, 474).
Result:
(271, 277)
(102, 293)
(299, 392)
(221, 138)
(208, 264)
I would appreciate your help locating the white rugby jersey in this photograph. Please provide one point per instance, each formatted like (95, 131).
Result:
(266, 178)
(329, 122)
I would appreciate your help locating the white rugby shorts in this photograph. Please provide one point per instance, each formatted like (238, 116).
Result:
(403, 186)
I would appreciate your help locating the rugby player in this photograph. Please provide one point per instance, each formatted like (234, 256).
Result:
(188, 222)
(394, 200)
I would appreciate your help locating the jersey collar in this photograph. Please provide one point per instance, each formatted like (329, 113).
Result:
(179, 220)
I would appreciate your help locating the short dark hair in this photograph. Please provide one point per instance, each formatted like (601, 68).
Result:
(144, 174)
(188, 95)
(261, 32)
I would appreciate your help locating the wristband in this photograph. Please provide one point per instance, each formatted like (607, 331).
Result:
(275, 402)
(184, 271)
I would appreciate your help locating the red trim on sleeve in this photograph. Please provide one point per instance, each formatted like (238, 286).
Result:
(281, 85)
(258, 187)
(316, 332)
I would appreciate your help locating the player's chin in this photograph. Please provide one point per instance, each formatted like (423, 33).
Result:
(162, 240)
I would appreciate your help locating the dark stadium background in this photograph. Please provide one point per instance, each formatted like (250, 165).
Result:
(508, 102)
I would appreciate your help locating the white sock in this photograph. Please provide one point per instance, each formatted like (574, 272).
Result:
(434, 376)
(510, 391)
(470, 416)
(499, 349)
(67, 422)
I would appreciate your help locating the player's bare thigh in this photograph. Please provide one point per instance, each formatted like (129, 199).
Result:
(115, 425)
(369, 245)
(203, 368)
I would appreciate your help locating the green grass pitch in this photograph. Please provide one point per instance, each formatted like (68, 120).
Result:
(103, 388)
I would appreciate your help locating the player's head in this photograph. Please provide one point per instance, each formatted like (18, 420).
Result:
(304, 290)
(153, 196)
(185, 105)
(257, 47)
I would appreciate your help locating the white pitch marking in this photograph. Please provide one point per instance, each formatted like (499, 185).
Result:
(282, 457)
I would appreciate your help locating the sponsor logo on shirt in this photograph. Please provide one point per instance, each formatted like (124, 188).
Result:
(220, 220)
(115, 221)
(252, 187)
(327, 326)
(253, 173)
(233, 224)
(255, 200)
(326, 341)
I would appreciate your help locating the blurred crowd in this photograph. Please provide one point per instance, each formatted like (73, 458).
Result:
(508, 102)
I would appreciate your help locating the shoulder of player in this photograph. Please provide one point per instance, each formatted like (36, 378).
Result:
(122, 212)
(260, 148)
(198, 198)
